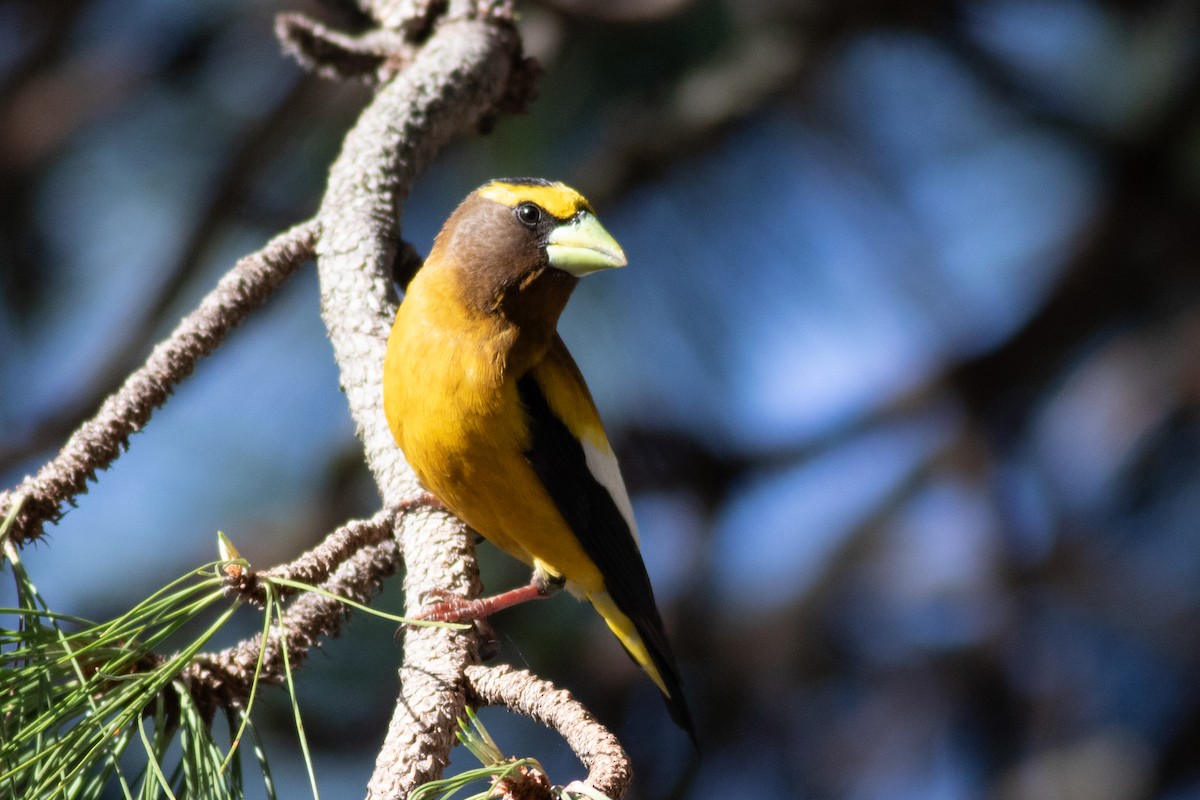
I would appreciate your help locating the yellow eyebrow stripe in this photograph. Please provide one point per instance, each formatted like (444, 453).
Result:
(557, 199)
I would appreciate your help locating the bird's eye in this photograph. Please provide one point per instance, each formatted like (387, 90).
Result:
(529, 214)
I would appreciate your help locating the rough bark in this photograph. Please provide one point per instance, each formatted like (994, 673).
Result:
(455, 81)
(524, 693)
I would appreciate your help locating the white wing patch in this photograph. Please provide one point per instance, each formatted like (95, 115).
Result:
(603, 465)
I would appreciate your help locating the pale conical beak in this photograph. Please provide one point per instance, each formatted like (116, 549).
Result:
(581, 245)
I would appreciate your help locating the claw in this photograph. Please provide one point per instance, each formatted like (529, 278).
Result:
(453, 608)
(456, 608)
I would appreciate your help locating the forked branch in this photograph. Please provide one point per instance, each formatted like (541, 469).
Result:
(224, 679)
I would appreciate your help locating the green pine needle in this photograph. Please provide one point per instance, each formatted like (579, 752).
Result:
(76, 694)
(273, 606)
(87, 708)
(270, 580)
(475, 737)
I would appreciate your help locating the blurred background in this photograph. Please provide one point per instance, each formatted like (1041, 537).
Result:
(903, 372)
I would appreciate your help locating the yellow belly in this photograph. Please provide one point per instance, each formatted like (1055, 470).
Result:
(461, 427)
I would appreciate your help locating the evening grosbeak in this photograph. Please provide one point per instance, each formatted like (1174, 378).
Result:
(496, 420)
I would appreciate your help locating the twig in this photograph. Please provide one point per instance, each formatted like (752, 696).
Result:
(315, 566)
(224, 679)
(609, 770)
(414, 17)
(372, 57)
(100, 440)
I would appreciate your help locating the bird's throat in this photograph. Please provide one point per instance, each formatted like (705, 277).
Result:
(532, 307)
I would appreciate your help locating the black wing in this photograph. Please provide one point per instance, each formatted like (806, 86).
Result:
(559, 461)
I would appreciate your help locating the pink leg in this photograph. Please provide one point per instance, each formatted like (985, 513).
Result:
(459, 609)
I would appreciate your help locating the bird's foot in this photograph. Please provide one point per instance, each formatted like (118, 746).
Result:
(449, 607)
(456, 608)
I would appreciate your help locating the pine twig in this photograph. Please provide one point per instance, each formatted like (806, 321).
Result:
(609, 769)
(224, 679)
(315, 566)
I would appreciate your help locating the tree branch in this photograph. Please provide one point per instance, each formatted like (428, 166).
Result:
(609, 770)
(453, 83)
(432, 696)
(315, 566)
(224, 679)
(457, 79)
(100, 440)
(467, 68)
(374, 56)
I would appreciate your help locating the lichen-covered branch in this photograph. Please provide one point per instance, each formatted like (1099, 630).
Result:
(100, 440)
(609, 770)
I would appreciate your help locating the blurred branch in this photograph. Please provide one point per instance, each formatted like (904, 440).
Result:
(1140, 252)
(47, 98)
(651, 136)
(248, 156)
(609, 770)
(58, 21)
(782, 42)
(1169, 124)
(629, 11)
(100, 440)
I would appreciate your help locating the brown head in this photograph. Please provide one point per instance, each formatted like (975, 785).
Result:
(519, 246)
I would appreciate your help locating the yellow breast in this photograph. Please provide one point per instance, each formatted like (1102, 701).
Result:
(455, 413)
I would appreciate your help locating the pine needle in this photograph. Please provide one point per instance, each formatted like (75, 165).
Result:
(496, 769)
(77, 693)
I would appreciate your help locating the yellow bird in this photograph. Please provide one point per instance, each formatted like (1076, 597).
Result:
(497, 422)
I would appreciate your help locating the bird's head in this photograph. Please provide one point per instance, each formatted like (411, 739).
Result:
(520, 242)
(558, 220)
